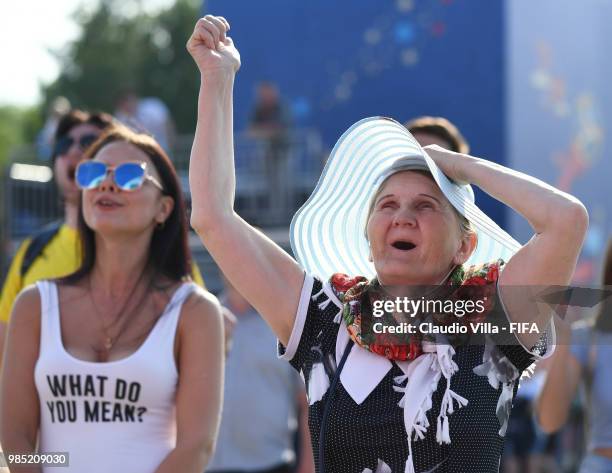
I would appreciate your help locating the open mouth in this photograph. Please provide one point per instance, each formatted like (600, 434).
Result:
(71, 173)
(403, 245)
(108, 204)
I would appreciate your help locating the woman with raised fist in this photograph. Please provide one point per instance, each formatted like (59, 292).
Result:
(386, 217)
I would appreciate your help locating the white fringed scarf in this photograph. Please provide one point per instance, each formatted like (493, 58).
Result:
(421, 378)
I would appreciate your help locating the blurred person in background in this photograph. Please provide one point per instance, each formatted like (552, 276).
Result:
(46, 137)
(54, 251)
(270, 118)
(528, 449)
(438, 131)
(583, 359)
(270, 122)
(155, 118)
(120, 363)
(148, 115)
(262, 397)
(126, 109)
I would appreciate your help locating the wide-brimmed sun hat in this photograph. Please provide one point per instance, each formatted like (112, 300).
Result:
(327, 232)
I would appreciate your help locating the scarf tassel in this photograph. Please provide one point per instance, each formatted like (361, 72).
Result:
(447, 408)
(316, 296)
(409, 465)
(323, 305)
(399, 380)
(409, 468)
(420, 430)
(417, 432)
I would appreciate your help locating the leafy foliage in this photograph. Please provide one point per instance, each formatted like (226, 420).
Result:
(123, 48)
(18, 125)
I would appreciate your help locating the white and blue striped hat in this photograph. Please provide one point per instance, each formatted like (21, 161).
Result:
(327, 232)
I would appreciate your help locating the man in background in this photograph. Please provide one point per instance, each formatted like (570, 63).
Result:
(263, 399)
(438, 131)
(270, 123)
(54, 251)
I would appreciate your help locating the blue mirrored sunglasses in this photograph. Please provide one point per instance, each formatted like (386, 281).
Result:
(127, 176)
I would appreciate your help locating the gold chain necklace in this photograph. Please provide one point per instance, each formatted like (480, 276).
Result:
(110, 341)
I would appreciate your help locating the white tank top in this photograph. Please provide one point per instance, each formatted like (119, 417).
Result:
(110, 416)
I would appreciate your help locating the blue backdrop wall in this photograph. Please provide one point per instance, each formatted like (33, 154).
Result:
(337, 62)
(560, 109)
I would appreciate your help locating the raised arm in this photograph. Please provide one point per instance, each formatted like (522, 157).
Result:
(558, 219)
(266, 276)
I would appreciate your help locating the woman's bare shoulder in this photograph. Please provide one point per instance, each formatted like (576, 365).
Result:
(201, 319)
(201, 304)
(26, 310)
(24, 328)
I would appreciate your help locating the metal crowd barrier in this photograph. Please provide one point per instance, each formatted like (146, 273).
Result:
(30, 199)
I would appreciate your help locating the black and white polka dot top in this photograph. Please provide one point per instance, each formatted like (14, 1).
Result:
(366, 428)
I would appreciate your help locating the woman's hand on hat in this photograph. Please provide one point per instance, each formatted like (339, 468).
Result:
(210, 46)
(450, 163)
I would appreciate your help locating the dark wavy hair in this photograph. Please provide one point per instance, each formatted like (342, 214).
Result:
(77, 117)
(169, 253)
(603, 320)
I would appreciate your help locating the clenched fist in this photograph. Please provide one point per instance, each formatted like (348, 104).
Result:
(210, 46)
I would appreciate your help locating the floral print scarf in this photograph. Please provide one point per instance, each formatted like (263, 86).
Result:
(357, 295)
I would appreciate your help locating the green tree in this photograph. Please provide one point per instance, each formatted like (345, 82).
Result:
(18, 125)
(121, 48)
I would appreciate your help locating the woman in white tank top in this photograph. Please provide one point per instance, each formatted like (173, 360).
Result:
(120, 364)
